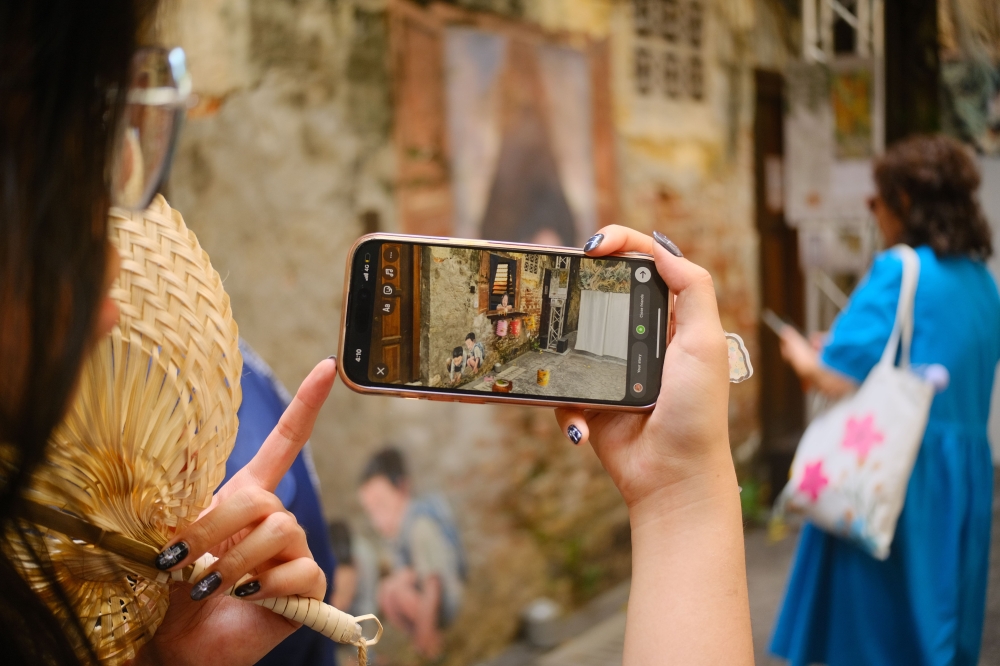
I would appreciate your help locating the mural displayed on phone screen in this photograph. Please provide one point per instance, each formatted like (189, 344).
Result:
(504, 322)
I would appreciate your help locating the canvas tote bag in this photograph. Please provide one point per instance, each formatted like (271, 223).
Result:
(853, 465)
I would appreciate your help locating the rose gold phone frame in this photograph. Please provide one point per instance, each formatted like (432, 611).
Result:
(403, 391)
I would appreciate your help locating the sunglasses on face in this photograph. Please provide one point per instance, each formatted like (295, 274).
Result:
(158, 95)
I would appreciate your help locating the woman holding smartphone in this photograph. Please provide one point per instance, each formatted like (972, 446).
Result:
(64, 81)
(925, 604)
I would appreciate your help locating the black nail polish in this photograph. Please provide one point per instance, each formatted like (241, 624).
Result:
(246, 589)
(171, 556)
(594, 241)
(332, 358)
(206, 586)
(574, 434)
(667, 244)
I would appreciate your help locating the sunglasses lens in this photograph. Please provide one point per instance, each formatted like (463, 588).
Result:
(153, 113)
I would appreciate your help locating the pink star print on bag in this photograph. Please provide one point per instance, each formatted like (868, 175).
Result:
(813, 481)
(861, 435)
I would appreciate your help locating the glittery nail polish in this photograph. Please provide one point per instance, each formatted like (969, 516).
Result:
(667, 244)
(246, 589)
(206, 586)
(171, 556)
(594, 241)
(574, 434)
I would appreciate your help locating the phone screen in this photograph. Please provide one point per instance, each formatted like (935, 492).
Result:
(538, 325)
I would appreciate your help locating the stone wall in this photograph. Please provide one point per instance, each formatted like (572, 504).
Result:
(451, 309)
(288, 158)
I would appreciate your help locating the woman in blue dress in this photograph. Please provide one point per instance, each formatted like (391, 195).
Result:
(924, 605)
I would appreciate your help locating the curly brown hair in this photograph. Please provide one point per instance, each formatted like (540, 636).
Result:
(930, 183)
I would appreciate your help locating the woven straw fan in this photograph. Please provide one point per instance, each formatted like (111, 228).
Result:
(145, 444)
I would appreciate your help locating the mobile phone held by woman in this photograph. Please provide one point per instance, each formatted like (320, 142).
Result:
(481, 321)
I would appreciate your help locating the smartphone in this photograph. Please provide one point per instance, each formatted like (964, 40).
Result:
(481, 321)
(773, 321)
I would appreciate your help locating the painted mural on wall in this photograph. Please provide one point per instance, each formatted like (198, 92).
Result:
(969, 38)
(970, 103)
(850, 96)
(528, 324)
(520, 138)
(605, 275)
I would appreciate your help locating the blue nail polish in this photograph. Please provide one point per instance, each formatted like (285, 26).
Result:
(206, 586)
(172, 556)
(574, 434)
(667, 244)
(594, 241)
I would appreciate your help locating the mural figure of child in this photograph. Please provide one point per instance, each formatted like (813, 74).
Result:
(474, 353)
(423, 594)
(455, 365)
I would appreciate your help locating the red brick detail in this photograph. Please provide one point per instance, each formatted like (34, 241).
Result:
(423, 186)
(605, 164)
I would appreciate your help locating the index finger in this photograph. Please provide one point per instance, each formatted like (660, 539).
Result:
(294, 428)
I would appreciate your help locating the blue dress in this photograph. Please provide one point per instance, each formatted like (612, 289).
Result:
(924, 605)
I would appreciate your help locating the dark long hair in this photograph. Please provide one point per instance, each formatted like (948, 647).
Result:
(930, 183)
(63, 77)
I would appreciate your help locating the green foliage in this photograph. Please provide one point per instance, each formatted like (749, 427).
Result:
(754, 500)
(605, 275)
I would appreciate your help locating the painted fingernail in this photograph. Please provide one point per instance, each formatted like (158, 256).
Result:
(574, 434)
(594, 241)
(172, 556)
(206, 586)
(667, 244)
(246, 589)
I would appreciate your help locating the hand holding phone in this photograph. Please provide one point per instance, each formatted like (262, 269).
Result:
(690, 419)
(675, 472)
(480, 321)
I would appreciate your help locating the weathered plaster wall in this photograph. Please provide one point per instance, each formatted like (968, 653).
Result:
(288, 158)
(452, 308)
(686, 169)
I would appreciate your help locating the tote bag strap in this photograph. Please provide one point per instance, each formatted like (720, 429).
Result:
(902, 329)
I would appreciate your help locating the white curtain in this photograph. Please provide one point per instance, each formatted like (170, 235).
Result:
(603, 328)
(616, 329)
(566, 80)
(474, 61)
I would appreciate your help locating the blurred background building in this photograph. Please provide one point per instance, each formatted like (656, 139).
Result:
(320, 120)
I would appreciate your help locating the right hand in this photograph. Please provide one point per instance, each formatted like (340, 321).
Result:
(250, 532)
(680, 450)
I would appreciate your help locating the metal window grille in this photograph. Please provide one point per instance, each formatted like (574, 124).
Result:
(669, 62)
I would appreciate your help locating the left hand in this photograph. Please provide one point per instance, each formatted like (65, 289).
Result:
(670, 451)
(249, 530)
